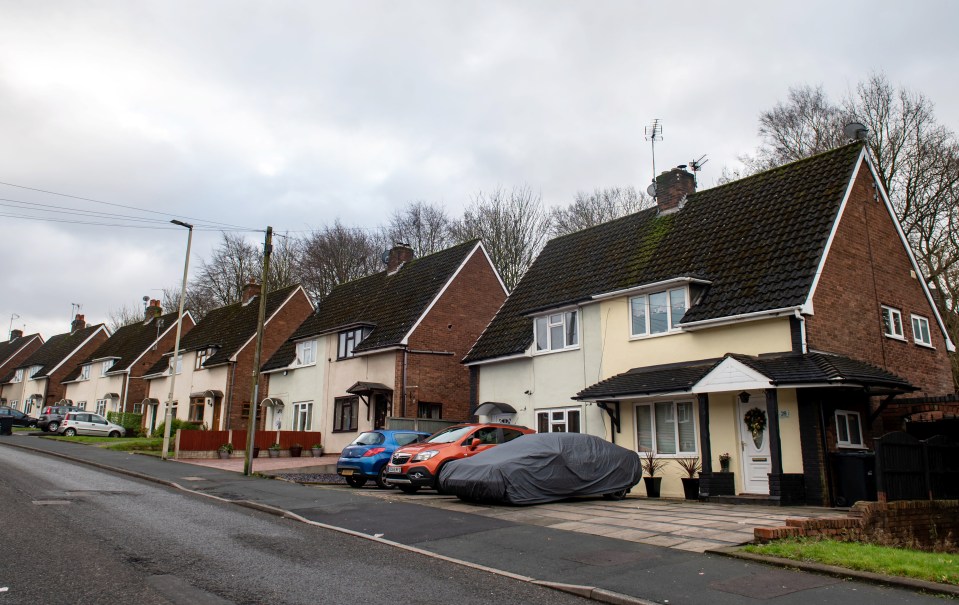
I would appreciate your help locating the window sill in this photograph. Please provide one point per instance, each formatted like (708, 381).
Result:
(552, 351)
(304, 365)
(894, 337)
(344, 430)
(924, 345)
(846, 446)
(672, 332)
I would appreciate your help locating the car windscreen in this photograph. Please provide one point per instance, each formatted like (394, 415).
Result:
(408, 438)
(450, 435)
(369, 438)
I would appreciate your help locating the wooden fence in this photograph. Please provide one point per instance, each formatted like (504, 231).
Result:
(192, 443)
(427, 425)
(910, 469)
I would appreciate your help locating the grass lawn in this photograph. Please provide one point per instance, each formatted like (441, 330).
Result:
(934, 567)
(122, 444)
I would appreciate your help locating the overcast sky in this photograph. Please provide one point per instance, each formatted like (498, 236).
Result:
(292, 114)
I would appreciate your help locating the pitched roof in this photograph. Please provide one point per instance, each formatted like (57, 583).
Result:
(780, 369)
(758, 241)
(55, 350)
(390, 304)
(227, 328)
(128, 343)
(10, 348)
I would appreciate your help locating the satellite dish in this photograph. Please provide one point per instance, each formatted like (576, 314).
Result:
(146, 298)
(651, 190)
(385, 257)
(855, 131)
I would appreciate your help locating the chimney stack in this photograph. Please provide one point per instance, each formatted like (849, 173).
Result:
(78, 323)
(249, 291)
(153, 310)
(399, 254)
(15, 334)
(672, 187)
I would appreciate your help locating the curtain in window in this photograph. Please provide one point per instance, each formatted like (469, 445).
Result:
(644, 428)
(665, 429)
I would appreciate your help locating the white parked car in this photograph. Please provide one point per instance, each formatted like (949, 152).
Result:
(86, 423)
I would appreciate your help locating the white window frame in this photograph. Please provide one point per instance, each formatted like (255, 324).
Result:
(680, 453)
(306, 353)
(138, 408)
(85, 372)
(843, 416)
(552, 423)
(671, 322)
(102, 407)
(27, 406)
(15, 403)
(920, 336)
(889, 314)
(82, 405)
(302, 416)
(556, 319)
(179, 363)
(34, 370)
(106, 365)
(201, 356)
(18, 375)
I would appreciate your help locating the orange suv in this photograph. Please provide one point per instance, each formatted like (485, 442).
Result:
(418, 465)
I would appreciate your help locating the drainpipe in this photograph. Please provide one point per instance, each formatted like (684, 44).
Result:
(229, 397)
(126, 391)
(403, 384)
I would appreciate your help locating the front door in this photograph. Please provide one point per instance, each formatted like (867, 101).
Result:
(153, 417)
(379, 411)
(755, 447)
(216, 415)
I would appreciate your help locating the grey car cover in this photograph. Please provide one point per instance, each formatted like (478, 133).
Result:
(543, 467)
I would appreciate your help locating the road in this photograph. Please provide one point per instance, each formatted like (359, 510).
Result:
(76, 534)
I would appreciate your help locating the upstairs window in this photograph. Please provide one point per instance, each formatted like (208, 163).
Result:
(201, 356)
(35, 369)
(848, 429)
(179, 363)
(18, 375)
(105, 366)
(306, 352)
(920, 331)
(892, 322)
(557, 331)
(657, 312)
(349, 340)
(84, 372)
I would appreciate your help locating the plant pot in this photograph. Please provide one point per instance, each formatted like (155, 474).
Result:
(317, 452)
(652, 486)
(274, 453)
(691, 488)
(295, 451)
(224, 455)
(256, 451)
(724, 467)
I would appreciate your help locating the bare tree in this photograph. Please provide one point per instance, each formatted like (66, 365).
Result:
(337, 254)
(513, 226)
(426, 227)
(233, 264)
(600, 206)
(124, 316)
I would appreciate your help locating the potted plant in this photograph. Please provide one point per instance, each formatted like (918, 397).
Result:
(690, 482)
(295, 450)
(225, 450)
(724, 462)
(652, 465)
(317, 449)
(274, 450)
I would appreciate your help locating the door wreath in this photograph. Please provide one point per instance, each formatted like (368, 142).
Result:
(755, 420)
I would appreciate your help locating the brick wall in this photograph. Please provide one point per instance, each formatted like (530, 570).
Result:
(17, 358)
(931, 525)
(277, 330)
(452, 325)
(868, 266)
(57, 391)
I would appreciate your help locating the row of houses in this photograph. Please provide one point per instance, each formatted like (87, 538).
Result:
(777, 320)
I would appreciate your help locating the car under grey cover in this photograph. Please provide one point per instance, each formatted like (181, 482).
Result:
(543, 467)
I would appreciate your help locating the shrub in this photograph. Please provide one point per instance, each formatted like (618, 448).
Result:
(174, 425)
(130, 421)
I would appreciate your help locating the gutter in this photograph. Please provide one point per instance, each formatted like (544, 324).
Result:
(756, 315)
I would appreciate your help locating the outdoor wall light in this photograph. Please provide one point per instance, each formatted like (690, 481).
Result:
(744, 397)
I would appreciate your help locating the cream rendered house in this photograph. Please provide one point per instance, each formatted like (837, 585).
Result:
(750, 319)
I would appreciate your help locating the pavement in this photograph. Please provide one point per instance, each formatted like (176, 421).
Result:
(606, 551)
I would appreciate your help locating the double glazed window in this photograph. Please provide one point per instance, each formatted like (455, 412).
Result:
(84, 372)
(105, 366)
(920, 331)
(303, 416)
(349, 340)
(18, 375)
(892, 322)
(201, 357)
(196, 409)
(564, 420)
(345, 413)
(101, 406)
(557, 331)
(666, 427)
(426, 409)
(848, 429)
(306, 352)
(657, 312)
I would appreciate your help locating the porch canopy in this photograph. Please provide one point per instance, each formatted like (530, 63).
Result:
(272, 402)
(364, 390)
(150, 401)
(211, 393)
(489, 408)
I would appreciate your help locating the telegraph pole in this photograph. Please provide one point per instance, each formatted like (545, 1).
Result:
(255, 401)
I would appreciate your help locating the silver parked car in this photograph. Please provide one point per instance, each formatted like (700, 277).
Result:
(86, 423)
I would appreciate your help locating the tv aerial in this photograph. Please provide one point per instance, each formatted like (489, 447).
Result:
(696, 166)
(653, 133)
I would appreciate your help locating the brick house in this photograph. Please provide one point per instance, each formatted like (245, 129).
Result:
(37, 380)
(215, 371)
(111, 378)
(387, 345)
(12, 353)
(776, 318)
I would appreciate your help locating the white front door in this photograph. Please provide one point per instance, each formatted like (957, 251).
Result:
(755, 448)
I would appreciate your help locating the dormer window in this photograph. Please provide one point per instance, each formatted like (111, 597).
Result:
(179, 363)
(201, 356)
(306, 352)
(105, 366)
(348, 341)
(18, 375)
(84, 372)
(556, 331)
(657, 312)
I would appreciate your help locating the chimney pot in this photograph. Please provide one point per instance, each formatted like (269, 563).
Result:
(78, 323)
(672, 187)
(153, 310)
(15, 334)
(399, 254)
(250, 290)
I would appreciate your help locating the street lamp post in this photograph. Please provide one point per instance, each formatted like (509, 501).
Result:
(168, 416)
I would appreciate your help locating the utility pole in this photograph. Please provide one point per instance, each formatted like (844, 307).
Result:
(168, 413)
(255, 401)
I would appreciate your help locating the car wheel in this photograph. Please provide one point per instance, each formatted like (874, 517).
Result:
(409, 489)
(436, 481)
(355, 481)
(53, 426)
(381, 481)
(620, 495)
(70, 432)
(114, 434)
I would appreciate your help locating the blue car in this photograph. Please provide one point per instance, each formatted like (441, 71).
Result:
(366, 457)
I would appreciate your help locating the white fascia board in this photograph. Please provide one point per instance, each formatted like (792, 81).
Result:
(406, 338)
(732, 375)
(380, 350)
(483, 362)
(236, 355)
(950, 346)
(742, 317)
(807, 308)
(666, 283)
(80, 346)
(560, 309)
(639, 396)
(156, 342)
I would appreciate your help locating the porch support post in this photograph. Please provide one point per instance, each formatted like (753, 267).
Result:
(772, 424)
(704, 443)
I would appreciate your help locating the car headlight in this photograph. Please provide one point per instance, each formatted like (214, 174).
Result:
(424, 455)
